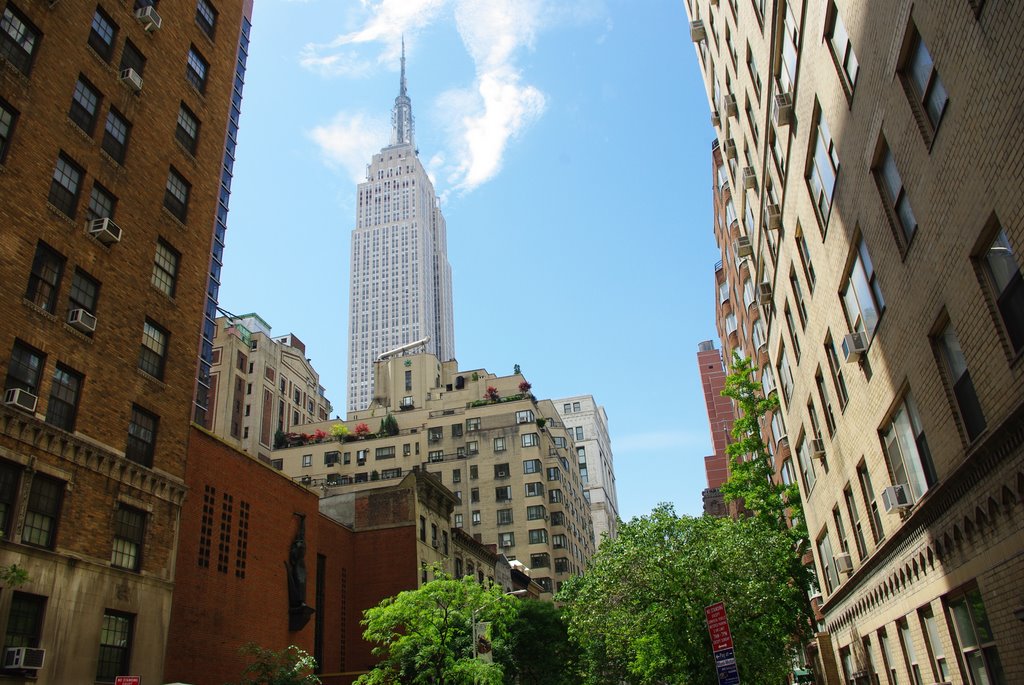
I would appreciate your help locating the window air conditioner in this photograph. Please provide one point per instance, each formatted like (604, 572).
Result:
(148, 17)
(82, 320)
(854, 346)
(697, 31)
(307, 480)
(25, 658)
(844, 563)
(749, 178)
(774, 217)
(731, 108)
(783, 109)
(730, 149)
(896, 497)
(818, 448)
(743, 247)
(21, 399)
(132, 79)
(434, 543)
(105, 231)
(716, 118)
(764, 293)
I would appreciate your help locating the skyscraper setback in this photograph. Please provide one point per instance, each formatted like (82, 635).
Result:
(401, 282)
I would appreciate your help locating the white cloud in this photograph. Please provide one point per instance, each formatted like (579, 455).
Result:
(350, 139)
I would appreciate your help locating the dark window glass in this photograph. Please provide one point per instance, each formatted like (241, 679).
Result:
(165, 268)
(42, 512)
(1003, 269)
(102, 33)
(115, 135)
(64, 392)
(84, 292)
(10, 476)
(187, 131)
(19, 39)
(131, 58)
(101, 203)
(85, 104)
(195, 70)
(129, 527)
(115, 645)
(25, 368)
(8, 116)
(44, 280)
(960, 378)
(153, 353)
(928, 94)
(975, 639)
(206, 17)
(141, 436)
(176, 194)
(65, 185)
(25, 620)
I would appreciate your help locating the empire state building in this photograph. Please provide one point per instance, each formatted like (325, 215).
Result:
(401, 285)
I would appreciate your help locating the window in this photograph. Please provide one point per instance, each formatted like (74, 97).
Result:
(8, 115)
(887, 658)
(131, 58)
(542, 560)
(10, 477)
(457, 476)
(868, 493)
(165, 268)
(115, 135)
(803, 452)
(534, 489)
(524, 416)
(472, 425)
(115, 645)
(501, 471)
(785, 376)
(129, 528)
(503, 493)
(476, 517)
(474, 495)
(557, 518)
(499, 444)
(554, 496)
(536, 512)
(909, 653)
(153, 353)
(195, 69)
(25, 620)
(805, 259)
(837, 519)
(474, 472)
(25, 368)
(910, 461)
(828, 564)
(975, 639)
(472, 447)
(925, 90)
(435, 434)
(566, 408)
(959, 376)
(755, 79)
(84, 292)
(894, 196)
(790, 48)
(826, 402)
(18, 39)
(434, 456)
(457, 430)
(560, 541)
(458, 520)
(822, 170)
(538, 536)
(579, 432)
(836, 369)
(790, 325)
(506, 539)
(206, 17)
(102, 33)
(936, 652)
(858, 528)
(1000, 264)
(530, 440)
(85, 101)
(42, 512)
(176, 194)
(101, 203)
(187, 130)
(842, 49)
(384, 452)
(64, 187)
(307, 460)
(861, 294)
(141, 436)
(64, 392)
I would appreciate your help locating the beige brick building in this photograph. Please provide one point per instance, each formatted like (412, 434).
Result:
(261, 384)
(114, 150)
(508, 461)
(587, 423)
(874, 151)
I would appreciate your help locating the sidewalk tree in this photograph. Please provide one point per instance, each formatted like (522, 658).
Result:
(638, 613)
(539, 651)
(424, 636)
(290, 666)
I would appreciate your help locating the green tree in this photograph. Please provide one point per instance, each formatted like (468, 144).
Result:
(290, 666)
(539, 651)
(424, 636)
(638, 613)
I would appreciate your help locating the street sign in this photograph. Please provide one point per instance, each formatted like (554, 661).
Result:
(128, 680)
(721, 644)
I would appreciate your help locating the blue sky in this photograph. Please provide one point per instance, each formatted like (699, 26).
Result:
(570, 143)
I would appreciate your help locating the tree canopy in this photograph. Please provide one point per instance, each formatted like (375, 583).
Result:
(539, 651)
(638, 612)
(424, 636)
(290, 666)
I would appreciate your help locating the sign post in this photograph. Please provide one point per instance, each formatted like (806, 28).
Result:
(721, 644)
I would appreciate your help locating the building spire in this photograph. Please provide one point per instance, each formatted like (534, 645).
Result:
(401, 116)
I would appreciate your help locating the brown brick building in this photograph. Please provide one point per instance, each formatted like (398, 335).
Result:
(115, 147)
(874, 151)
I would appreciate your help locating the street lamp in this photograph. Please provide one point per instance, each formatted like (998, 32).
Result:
(473, 622)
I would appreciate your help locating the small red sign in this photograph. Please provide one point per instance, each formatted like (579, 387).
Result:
(128, 680)
(718, 626)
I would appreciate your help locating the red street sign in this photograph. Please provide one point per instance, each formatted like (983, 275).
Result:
(128, 680)
(718, 626)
